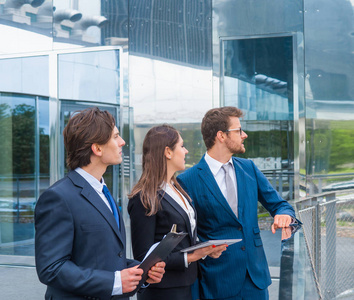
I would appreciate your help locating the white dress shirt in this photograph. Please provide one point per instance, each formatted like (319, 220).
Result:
(219, 174)
(186, 207)
(98, 186)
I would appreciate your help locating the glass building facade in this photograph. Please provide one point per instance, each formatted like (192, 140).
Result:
(287, 64)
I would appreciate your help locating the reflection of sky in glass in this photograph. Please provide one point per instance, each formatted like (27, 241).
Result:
(13, 101)
(26, 75)
(89, 76)
(89, 7)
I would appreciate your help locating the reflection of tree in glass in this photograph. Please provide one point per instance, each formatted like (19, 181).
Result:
(6, 139)
(23, 137)
(44, 152)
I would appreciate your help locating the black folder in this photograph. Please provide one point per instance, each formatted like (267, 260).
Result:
(160, 253)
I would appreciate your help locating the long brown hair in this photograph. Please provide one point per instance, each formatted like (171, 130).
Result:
(155, 167)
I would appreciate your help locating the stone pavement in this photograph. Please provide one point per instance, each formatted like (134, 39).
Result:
(20, 283)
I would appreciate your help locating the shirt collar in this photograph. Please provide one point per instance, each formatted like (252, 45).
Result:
(96, 184)
(214, 164)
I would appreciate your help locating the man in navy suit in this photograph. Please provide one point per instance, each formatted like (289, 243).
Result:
(80, 245)
(225, 191)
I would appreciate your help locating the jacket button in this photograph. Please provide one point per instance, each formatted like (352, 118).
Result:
(120, 254)
(243, 248)
(240, 228)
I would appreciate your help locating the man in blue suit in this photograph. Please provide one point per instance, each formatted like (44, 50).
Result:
(80, 245)
(225, 191)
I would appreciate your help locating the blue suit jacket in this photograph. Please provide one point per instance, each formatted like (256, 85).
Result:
(223, 277)
(78, 245)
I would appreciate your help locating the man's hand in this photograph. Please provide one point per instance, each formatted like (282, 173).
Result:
(130, 278)
(285, 233)
(156, 272)
(281, 221)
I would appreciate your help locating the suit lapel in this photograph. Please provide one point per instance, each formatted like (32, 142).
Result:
(241, 187)
(208, 178)
(181, 211)
(91, 195)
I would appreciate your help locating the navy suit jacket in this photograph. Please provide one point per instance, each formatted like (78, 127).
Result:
(147, 230)
(223, 277)
(78, 245)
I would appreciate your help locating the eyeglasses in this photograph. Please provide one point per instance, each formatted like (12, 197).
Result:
(236, 129)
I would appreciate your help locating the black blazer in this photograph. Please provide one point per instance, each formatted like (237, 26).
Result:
(78, 245)
(146, 231)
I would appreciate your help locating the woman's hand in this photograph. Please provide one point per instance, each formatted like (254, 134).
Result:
(213, 251)
(218, 250)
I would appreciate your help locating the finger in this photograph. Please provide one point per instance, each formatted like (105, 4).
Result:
(161, 264)
(288, 221)
(282, 222)
(154, 279)
(155, 276)
(158, 269)
(273, 228)
(276, 220)
(136, 272)
(155, 270)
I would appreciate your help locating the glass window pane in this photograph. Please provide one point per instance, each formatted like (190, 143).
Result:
(18, 183)
(90, 76)
(258, 78)
(26, 75)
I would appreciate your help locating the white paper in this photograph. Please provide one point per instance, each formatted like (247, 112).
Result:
(150, 250)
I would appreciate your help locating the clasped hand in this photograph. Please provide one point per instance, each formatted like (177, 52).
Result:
(131, 277)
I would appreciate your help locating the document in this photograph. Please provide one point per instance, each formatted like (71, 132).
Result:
(211, 242)
(157, 252)
(160, 251)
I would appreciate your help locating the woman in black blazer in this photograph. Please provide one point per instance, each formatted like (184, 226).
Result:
(157, 202)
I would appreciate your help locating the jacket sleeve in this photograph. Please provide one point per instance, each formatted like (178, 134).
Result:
(269, 197)
(54, 224)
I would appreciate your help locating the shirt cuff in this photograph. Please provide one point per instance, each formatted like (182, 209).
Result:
(117, 286)
(186, 264)
(294, 221)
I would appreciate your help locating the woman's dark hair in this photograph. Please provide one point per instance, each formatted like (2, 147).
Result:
(217, 119)
(85, 128)
(155, 166)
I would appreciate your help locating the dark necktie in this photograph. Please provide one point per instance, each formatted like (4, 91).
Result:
(111, 203)
(230, 189)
